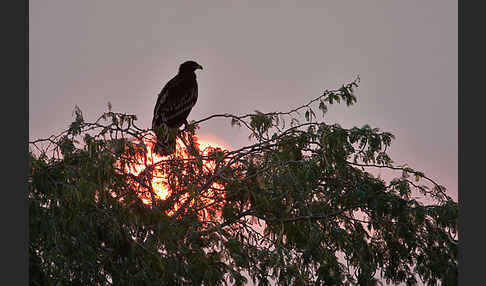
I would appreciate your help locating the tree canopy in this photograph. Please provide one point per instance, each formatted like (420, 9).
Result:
(299, 205)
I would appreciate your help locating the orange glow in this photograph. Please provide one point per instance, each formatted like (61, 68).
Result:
(160, 179)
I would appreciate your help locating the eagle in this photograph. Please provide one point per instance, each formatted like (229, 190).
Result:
(173, 105)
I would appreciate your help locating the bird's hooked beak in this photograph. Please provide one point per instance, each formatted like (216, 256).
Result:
(199, 67)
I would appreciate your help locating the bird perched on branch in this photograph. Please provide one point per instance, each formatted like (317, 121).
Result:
(173, 105)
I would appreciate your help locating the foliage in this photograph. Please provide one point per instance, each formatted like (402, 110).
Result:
(298, 207)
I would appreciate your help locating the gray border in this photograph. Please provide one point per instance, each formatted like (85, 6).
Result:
(15, 102)
(471, 202)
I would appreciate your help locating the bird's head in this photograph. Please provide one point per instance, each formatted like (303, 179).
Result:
(189, 66)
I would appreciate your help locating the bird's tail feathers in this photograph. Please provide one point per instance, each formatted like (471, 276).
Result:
(165, 148)
(166, 143)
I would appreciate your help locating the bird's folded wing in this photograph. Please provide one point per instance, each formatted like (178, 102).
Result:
(178, 96)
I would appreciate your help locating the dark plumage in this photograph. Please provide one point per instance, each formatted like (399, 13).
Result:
(174, 104)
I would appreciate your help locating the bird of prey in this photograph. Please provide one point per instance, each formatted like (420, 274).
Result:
(174, 103)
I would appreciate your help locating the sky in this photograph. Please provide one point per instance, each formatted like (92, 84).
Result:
(257, 55)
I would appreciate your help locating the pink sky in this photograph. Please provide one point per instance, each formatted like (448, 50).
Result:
(269, 57)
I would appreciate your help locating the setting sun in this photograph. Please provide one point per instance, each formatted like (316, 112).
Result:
(159, 176)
